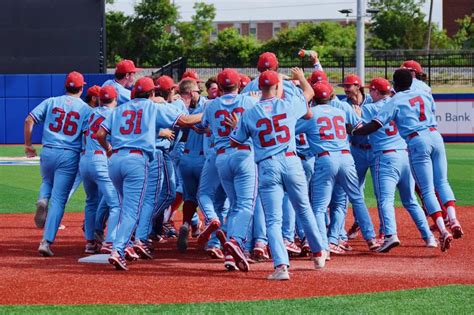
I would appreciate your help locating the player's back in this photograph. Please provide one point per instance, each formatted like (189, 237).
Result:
(418, 85)
(387, 137)
(223, 107)
(326, 130)
(65, 118)
(195, 141)
(124, 95)
(97, 116)
(414, 111)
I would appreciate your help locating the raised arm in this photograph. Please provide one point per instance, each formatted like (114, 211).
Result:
(298, 74)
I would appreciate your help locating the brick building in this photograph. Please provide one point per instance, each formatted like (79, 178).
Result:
(453, 10)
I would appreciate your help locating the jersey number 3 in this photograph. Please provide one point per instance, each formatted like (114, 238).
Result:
(281, 138)
(68, 125)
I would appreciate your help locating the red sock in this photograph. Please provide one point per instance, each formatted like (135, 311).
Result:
(189, 208)
(176, 203)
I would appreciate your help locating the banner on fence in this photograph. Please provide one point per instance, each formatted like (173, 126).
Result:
(455, 116)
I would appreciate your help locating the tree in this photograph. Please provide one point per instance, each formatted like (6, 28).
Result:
(464, 37)
(232, 49)
(118, 36)
(398, 25)
(198, 31)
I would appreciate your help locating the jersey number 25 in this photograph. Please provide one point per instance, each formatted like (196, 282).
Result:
(269, 128)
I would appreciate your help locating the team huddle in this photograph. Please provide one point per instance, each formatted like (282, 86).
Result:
(271, 163)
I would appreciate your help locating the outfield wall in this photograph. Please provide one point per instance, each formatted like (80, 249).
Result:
(19, 94)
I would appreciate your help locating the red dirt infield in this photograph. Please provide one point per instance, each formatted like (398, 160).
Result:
(27, 278)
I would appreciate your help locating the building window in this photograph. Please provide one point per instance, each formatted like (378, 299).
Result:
(253, 31)
(238, 30)
(276, 30)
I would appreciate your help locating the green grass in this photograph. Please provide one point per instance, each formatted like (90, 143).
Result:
(454, 299)
(19, 185)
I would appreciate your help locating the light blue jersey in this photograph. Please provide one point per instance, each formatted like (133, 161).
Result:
(194, 143)
(271, 125)
(65, 119)
(163, 143)
(386, 138)
(289, 89)
(326, 130)
(98, 115)
(418, 85)
(351, 116)
(221, 108)
(359, 140)
(411, 110)
(134, 124)
(124, 94)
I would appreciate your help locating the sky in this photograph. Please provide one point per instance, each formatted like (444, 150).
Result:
(253, 10)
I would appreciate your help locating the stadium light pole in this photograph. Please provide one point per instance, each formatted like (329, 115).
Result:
(360, 40)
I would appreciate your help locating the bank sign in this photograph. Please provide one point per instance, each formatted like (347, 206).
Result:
(455, 116)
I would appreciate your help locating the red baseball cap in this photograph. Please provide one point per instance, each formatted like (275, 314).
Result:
(379, 84)
(93, 91)
(75, 79)
(228, 77)
(352, 79)
(108, 92)
(268, 78)
(267, 61)
(322, 90)
(317, 75)
(191, 74)
(143, 85)
(126, 66)
(244, 80)
(412, 65)
(165, 83)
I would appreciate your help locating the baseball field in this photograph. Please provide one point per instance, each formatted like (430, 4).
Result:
(409, 279)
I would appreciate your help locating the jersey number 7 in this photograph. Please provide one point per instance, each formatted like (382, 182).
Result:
(419, 100)
(269, 127)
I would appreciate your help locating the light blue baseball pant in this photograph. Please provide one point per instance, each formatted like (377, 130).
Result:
(338, 168)
(308, 167)
(429, 167)
(237, 172)
(102, 215)
(97, 183)
(153, 189)
(258, 232)
(129, 174)
(176, 155)
(338, 208)
(45, 188)
(392, 170)
(276, 175)
(289, 220)
(190, 167)
(212, 197)
(58, 171)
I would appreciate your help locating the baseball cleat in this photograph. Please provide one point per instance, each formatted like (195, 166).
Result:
(292, 248)
(92, 247)
(305, 249)
(183, 235)
(118, 261)
(221, 237)
(44, 249)
(196, 229)
(335, 249)
(373, 244)
(345, 245)
(319, 259)
(233, 248)
(41, 213)
(388, 244)
(229, 263)
(215, 253)
(169, 230)
(353, 231)
(280, 274)
(143, 250)
(445, 241)
(205, 235)
(431, 242)
(456, 229)
(130, 254)
(260, 251)
(106, 248)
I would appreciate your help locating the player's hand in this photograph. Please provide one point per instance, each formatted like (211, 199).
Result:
(158, 99)
(255, 94)
(232, 121)
(30, 151)
(297, 73)
(167, 133)
(283, 77)
(313, 55)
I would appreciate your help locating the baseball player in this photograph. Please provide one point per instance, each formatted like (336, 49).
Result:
(244, 81)
(326, 134)
(271, 125)
(412, 111)
(132, 128)
(391, 170)
(235, 165)
(95, 174)
(416, 72)
(92, 96)
(65, 119)
(124, 78)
